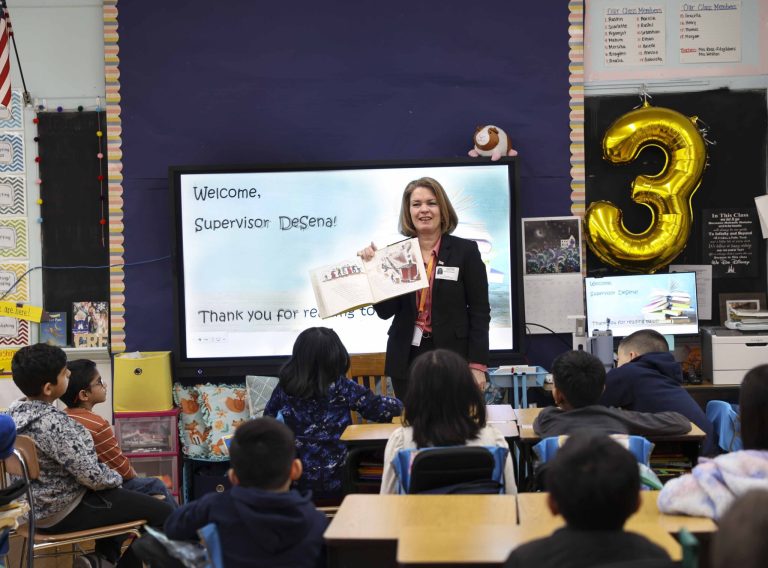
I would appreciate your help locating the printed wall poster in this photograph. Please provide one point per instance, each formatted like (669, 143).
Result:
(554, 287)
(11, 153)
(11, 118)
(13, 238)
(730, 242)
(14, 331)
(10, 273)
(13, 196)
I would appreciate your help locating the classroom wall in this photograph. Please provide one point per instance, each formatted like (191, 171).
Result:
(61, 48)
(61, 45)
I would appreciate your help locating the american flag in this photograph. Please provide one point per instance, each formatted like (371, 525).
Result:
(5, 57)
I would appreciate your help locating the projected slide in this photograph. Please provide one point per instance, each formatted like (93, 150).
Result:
(625, 304)
(248, 241)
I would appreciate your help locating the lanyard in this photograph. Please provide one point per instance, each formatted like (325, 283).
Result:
(423, 291)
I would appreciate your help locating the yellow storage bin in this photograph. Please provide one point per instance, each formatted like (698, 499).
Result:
(143, 382)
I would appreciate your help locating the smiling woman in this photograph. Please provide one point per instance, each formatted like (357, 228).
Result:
(453, 312)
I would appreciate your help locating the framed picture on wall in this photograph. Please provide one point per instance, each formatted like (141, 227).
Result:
(739, 301)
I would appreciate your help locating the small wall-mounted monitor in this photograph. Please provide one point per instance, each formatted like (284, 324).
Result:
(247, 236)
(625, 304)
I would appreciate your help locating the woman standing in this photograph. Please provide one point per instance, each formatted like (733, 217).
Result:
(454, 312)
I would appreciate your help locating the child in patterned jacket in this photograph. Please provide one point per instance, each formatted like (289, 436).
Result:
(73, 491)
(314, 399)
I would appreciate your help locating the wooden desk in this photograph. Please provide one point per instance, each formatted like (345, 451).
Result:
(689, 443)
(648, 521)
(376, 435)
(366, 528)
(490, 546)
(704, 392)
(526, 416)
(532, 508)
(480, 545)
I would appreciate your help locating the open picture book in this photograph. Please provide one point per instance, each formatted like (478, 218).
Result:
(352, 283)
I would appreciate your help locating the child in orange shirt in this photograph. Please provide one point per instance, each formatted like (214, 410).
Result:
(86, 389)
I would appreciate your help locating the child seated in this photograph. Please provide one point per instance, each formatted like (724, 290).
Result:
(443, 407)
(74, 491)
(260, 520)
(740, 537)
(648, 379)
(314, 399)
(579, 380)
(714, 483)
(593, 482)
(86, 389)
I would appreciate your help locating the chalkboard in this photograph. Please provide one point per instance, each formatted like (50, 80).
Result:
(737, 121)
(72, 208)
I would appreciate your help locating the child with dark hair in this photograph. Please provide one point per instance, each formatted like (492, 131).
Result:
(74, 491)
(260, 520)
(443, 407)
(314, 399)
(740, 537)
(594, 483)
(714, 483)
(579, 379)
(648, 379)
(85, 390)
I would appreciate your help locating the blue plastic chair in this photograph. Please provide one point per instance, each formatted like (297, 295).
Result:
(404, 460)
(637, 445)
(725, 419)
(209, 537)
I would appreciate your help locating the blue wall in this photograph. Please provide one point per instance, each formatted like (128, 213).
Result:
(255, 82)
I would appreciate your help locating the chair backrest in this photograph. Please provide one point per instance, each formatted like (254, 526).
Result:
(25, 454)
(23, 463)
(725, 420)
(637, 445)
(454, 469)
(209, 536)
(368, 371)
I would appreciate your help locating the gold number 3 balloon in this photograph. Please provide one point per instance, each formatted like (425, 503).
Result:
(667, 194)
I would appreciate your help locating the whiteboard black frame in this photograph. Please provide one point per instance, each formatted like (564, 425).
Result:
(212, 369)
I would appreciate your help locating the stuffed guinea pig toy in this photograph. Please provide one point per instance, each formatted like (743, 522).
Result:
(491, 141)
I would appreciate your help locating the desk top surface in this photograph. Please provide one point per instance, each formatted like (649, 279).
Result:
(492, 544)
(375, 433)
(526, 416)
(533, 510)
(387, 517)
(486, 544)
(476, 528)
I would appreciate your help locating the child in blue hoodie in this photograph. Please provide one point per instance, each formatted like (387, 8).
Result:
(260, 520)
(648, 379)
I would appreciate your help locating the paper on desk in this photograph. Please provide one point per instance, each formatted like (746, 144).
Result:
(703, 286)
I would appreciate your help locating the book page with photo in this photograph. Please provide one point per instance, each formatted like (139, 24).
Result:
(348, 284)
(90, 324)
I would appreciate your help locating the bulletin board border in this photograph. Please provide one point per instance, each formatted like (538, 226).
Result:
(114, 177)
(576, 92)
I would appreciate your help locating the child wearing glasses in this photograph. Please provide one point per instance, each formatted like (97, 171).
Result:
(87, 389)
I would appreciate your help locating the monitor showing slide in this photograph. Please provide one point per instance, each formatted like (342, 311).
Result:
(247, 238)
(625, 304)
